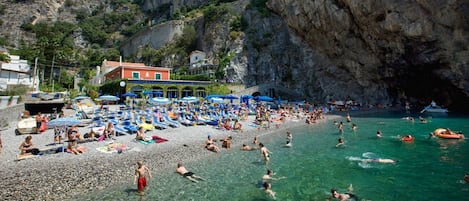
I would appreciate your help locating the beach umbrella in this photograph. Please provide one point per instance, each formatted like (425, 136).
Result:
(246, 97)
(230, 97)
(216, 100)
(189, 99)
(63, 121)
(107, 98)
(157, 93)
(263, 98)
(160, 101)
(212, 96)
(80, 98)
(129, 94)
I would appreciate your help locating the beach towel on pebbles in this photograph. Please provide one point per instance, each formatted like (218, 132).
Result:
(153, 139)
(112, 148)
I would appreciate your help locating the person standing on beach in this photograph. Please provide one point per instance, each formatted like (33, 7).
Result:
(38, 122)
(140, 175)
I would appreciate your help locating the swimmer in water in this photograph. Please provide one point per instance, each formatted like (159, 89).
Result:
(340, 143)
(378, 160)
(335, 195)
(379, 134)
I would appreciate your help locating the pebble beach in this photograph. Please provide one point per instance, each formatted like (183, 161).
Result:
(65, 176)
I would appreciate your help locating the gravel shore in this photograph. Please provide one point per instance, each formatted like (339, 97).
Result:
(65, 176)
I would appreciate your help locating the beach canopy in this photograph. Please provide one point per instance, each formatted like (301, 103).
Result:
(129, 94)
(189, 99)
(212, 96)
(246, 97)
(263, 98)
(63, 121)
(229, 97)
(157, 93)
(216, 100)
(160, 101)
(81, 98)
(107, 98)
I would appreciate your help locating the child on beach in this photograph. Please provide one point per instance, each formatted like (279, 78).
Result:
(140, 173)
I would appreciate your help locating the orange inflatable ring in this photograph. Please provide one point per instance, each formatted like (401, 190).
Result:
(407, 138)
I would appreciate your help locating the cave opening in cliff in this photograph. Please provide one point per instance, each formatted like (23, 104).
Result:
(423, 84)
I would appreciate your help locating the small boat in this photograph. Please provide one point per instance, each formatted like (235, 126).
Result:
(434, 108)
(26, 126)
(447, 134)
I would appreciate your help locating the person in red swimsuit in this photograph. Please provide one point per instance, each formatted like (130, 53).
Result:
(140, 174)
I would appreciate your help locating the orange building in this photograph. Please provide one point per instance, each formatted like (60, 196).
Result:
(134, 71)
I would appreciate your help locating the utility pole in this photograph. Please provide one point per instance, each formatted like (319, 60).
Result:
(34, 74)
(52, 70)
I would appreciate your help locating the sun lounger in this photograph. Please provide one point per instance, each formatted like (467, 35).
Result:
(170, 122)
(159, 124)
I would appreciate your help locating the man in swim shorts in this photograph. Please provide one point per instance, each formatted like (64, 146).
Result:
(264, 152)
(187, 174)
(140, 174)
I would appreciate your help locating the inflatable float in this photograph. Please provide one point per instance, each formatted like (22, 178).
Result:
(447, 134)
(407, 138)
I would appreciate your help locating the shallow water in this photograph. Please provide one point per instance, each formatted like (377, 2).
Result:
(427, 169)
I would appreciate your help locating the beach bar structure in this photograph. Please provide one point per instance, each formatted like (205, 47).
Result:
(140, 78)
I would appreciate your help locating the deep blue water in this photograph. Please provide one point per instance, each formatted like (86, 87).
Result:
(427, 169)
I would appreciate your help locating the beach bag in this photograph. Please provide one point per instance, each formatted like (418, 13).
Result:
(35, 151)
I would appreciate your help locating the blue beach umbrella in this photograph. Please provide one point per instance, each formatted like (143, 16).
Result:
(160, 101)
(212, 96)
(157, 93)
(189, 99)
(108, 98)
(263, 98)
(129, 94)
(230, 97)
(63, 121)
(80, 98)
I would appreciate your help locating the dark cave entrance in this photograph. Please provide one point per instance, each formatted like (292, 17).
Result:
(423, 83)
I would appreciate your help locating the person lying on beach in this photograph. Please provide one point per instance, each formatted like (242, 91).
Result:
(269, 176)
(210, 145)
(248, 148)
(268, 189)
(335, 195)
(187, 174)
(140, 173)
(27, 147)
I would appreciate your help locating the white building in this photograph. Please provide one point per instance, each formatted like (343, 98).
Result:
(197, 59)
(17, 72)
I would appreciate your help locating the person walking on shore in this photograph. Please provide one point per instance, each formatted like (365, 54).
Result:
(140, 175)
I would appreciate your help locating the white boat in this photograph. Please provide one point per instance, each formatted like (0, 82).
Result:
(434, 108)
(26, 126)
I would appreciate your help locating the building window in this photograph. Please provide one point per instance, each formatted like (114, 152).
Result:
(136, 75)
(157, 76)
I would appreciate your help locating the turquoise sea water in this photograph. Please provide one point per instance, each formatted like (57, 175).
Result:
(427, 169)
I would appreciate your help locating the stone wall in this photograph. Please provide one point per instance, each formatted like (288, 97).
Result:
(11, 114)
(155, 37)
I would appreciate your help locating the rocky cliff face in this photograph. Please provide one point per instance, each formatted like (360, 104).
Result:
(384, 51)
